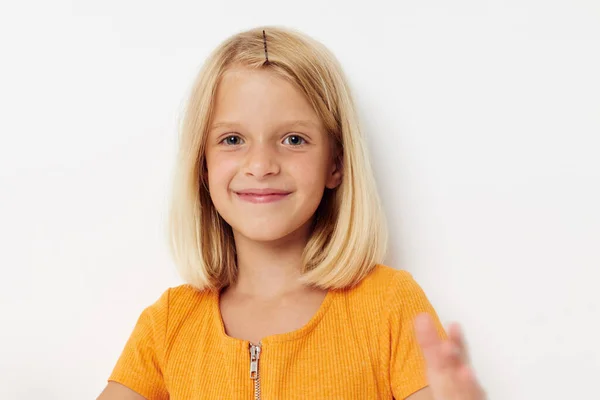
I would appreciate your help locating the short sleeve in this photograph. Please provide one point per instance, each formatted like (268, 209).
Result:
(407, 364)
(140, 365)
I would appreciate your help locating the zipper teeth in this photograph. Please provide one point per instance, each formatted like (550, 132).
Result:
(257, 387)
(254, 368)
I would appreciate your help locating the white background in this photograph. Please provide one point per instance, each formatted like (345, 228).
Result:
(483, 120)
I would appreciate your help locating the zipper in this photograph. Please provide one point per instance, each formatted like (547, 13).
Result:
(254, 374)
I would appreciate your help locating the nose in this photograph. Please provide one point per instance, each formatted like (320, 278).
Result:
(261, 160)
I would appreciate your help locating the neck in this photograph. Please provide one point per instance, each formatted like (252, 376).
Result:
(269, 269)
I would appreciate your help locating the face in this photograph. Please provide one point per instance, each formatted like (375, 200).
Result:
(265, 138)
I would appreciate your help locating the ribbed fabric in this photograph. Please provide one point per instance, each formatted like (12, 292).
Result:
(359, 345)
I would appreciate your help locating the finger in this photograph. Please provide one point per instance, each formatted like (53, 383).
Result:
(440, 354)
(428, 340)
(451, 356)
(426, 333)
(446, 360)
(455, 335)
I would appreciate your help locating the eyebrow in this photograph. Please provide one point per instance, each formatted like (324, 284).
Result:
(299, 122)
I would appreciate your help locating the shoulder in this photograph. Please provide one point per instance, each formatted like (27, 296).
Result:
(178, 302)
(385, 273)
(389, 293)
(187, 295)
(383, 290)
(385, 281)
(398, 287)
(401, 297)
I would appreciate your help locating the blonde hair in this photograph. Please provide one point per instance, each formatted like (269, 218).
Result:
(349, 233)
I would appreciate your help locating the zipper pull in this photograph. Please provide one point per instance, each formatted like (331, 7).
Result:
(254, 356)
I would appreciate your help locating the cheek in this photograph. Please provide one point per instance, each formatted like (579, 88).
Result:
(311, 170)
(309, 178)
(221, 170)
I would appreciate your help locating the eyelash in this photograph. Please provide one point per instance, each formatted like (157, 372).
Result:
(296, 145)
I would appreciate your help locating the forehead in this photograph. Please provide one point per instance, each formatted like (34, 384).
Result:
(253, 94)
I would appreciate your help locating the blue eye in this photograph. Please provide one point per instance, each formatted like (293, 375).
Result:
(297, 141)
(229, 142)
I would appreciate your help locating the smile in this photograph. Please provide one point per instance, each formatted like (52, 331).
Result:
(261, 198)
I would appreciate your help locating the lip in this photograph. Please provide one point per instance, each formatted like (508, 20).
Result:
(264, 191)
(259, 198)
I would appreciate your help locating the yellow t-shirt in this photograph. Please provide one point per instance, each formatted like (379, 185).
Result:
(360, 345)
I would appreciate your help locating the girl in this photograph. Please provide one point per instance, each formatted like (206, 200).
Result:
(277, 228)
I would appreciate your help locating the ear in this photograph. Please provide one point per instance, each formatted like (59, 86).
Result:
(335, 173)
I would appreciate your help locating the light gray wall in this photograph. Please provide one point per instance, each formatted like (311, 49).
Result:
(482, 118)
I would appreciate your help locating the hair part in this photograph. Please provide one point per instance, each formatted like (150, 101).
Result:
(349, 233)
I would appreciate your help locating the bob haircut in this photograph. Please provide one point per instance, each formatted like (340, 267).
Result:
(349, 233)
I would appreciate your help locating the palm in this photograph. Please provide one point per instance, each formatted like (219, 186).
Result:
(449, 373)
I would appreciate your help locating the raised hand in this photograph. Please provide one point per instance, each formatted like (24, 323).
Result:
(449, 372)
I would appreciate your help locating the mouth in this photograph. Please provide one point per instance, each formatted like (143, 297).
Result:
(260, 198)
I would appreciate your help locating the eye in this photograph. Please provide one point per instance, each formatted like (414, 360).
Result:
(228, 140)
(297, 140)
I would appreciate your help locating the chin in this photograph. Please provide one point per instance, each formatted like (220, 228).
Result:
(270, 233)
(264, 235)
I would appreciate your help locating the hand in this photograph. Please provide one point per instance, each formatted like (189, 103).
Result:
(449, 372)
